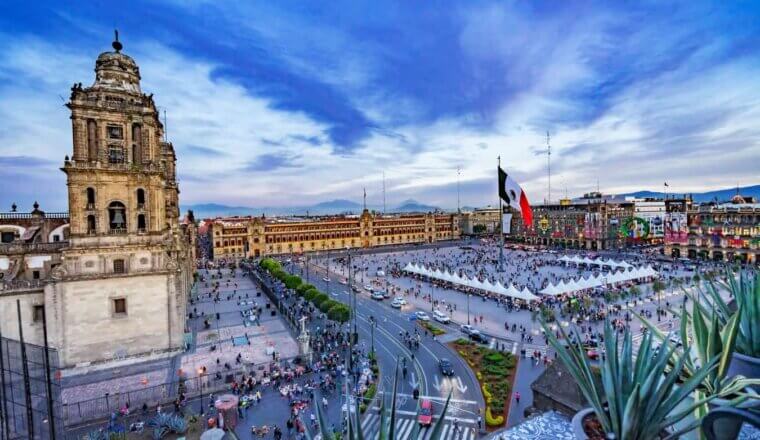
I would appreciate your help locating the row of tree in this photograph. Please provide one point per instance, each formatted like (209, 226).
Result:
(335, 310)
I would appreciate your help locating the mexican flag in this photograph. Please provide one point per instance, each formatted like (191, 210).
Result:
(515, 197)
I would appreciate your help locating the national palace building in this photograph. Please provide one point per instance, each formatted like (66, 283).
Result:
(239, 237)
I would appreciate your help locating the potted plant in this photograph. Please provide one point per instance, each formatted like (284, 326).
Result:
(632, 397)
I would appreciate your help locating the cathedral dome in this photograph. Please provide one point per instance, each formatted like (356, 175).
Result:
(116, 71)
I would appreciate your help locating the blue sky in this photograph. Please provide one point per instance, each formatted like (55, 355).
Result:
(291, 103)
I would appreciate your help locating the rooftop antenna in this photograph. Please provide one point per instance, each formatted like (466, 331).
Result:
(548, 153)
(383, 192)
(459, 170)
(549, 165)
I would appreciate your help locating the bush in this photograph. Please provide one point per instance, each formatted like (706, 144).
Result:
(279, 274)
(495, 358)
(493, 421)
(462, 341)
(327, 305)
(319, 299)
(340, 313)
(310, 294)
(292, 281)
(303, 288)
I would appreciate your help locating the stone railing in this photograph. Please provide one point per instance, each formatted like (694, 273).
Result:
(19, 285)
(32, 248)
(126, 166)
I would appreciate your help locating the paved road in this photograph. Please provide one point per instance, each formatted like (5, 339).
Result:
(425, 372)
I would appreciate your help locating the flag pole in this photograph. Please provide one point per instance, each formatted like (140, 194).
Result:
(501, 222)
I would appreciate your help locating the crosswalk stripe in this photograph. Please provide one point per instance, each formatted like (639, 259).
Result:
(406, 428)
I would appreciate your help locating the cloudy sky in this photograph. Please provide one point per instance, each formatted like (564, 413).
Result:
(291, 103)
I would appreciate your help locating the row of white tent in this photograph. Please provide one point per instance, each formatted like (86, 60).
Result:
(598, 281)
(525, 294)
(601, 263)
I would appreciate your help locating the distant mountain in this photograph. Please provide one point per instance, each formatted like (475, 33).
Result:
(205, 210)
(414, 206)
(338, 205)
(723, 195)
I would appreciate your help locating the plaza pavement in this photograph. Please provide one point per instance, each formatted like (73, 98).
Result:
(155, 381)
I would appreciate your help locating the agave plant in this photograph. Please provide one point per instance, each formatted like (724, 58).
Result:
(637, 397)
(745, 290)
(712, 338)
(387, 419)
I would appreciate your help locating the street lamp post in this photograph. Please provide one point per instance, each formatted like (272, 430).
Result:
(432, 308)
(200, 387)
(468, 308)
(372, 323)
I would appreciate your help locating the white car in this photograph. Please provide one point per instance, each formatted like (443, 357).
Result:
(441, 317)
(380, 273)
(467, 329)
(377, 295)
(396, 304)
(422, 316)
(368, 288)
(344, 282)
(400, 299)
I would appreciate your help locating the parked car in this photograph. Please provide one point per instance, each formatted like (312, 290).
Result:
(441, 317)
(396, 304)
(445, 366)
(425, 417)
(368, 288)
(422, 316)
(378, 296)
(380, 273)
(467, 329)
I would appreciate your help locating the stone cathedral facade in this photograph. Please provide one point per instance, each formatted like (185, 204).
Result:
(115, 288)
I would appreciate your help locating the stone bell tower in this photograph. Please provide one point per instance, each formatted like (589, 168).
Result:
(126, 271)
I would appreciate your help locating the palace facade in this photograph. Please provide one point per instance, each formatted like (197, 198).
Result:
(111, 275)
(240, 237)
(717, 231)
(598, 222)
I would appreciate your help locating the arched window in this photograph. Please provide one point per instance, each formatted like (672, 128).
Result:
(117, 220)
(92, 140)
(90, 224)
(141, 223)
(140, 198)
(90, 198)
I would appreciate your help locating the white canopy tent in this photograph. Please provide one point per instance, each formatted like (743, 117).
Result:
(486, 285)
(598, 280)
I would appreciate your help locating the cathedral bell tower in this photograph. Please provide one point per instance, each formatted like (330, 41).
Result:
(126, 270)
